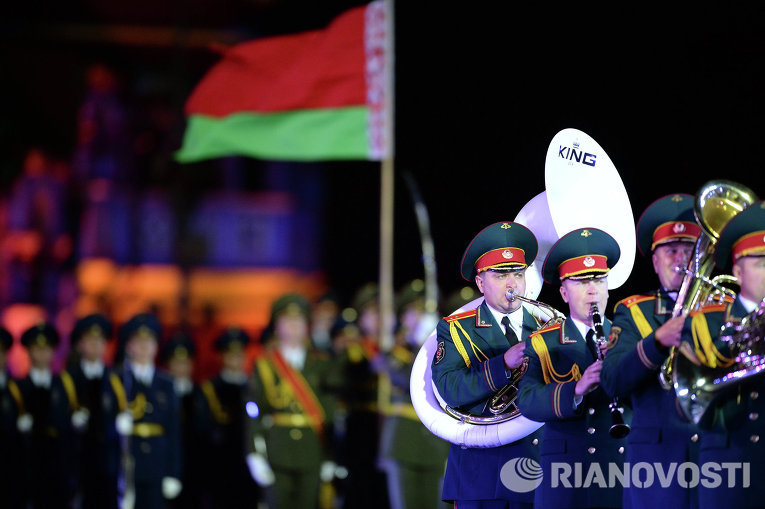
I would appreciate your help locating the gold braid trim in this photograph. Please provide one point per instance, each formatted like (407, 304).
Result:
(213, 402)
(278, 396)
(453, 326)
(704, 345)
(548, 372)
(119, 391)
(17, 397)
(642, 324)
(71, 392)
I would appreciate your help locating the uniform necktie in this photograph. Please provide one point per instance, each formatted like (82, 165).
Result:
(509, 333)
(591, 343)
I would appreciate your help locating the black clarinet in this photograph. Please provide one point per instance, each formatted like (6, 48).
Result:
(618, 428)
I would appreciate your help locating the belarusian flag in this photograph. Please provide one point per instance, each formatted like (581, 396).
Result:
(310, 96)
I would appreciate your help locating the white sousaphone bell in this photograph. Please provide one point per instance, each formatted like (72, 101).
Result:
(582, 189)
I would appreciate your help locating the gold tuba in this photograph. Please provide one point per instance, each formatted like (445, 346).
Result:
(697, 385)
(716, 203)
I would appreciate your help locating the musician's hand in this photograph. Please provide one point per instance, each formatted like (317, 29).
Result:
(590, 379)
(514, 356)
(24, 423)
(80, 419)
(171, 487)
(260, 470)
(124, 423)
(669, 334)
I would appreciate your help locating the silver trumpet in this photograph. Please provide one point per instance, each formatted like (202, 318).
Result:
(618, 428)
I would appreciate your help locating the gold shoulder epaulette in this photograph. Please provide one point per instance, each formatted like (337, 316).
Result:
(635, 299)
(554, 326)
(710, 308)
(460, 316)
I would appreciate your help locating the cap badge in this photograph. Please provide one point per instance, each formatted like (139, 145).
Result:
(507, 254)
(505, 226)
(677, 198)
(589, 261)
(586, 233)
(678, 228)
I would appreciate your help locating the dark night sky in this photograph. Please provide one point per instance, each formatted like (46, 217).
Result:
(674, 97)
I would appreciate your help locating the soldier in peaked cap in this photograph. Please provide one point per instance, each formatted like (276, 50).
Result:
(733, 430)
(178, 355)
(100, 396)
(476, 352)
(155, 432)
(412, 457)
(48, 401)
(11, 443)
(642, 332)
(561, 387)
(295, 409)
(222, 418)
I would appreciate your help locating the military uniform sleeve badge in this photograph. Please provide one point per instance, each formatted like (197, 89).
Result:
(440, 352)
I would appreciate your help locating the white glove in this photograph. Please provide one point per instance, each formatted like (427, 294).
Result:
(260, 470)
(327, 471)
(24, 423)
(171, 487)
(80, 419)
(124, 423)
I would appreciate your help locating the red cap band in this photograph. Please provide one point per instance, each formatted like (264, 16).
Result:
(752, 243)
(502, 257)
(675, 230)
(583, 265)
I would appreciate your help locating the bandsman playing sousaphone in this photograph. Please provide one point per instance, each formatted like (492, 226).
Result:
(561, 387)
(476, 354)
(643, 331)
(732, 445)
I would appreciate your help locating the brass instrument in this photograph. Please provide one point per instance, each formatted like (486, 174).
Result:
(618, 427)
(715, 205)
(502, 403)
(697, 385)
(568, 202)
(505, 397)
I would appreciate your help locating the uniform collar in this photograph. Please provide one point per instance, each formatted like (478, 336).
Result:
(144, 373)
(182, 385)
(581, 327)
(749, 305)
(40, 377)
(516, 318)
(665, 303)
(295, 356)
(92, 370)
(233, 377)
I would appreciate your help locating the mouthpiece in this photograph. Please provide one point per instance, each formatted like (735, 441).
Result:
(510, 295)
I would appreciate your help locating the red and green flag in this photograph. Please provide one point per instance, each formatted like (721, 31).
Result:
(317, 95)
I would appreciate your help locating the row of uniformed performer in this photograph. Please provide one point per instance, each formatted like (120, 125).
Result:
(562, 386)
(268, 436)
(478, 349)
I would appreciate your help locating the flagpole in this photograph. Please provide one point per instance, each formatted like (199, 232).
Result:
(387, 316)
